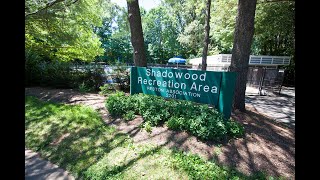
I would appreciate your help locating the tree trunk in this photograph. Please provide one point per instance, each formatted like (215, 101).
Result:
(241, 49)
(137, 41)
(206, 38)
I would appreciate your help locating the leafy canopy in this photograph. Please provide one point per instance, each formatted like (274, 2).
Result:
(63, 29)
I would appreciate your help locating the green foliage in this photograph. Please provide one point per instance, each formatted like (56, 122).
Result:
(61, 75)
(119, 104)
(115, 40)
(274, 29)
(83, 88)
(71, 136)
(99, 30)
(160, 31)
(147, 126)
(198, 168)
(153, 109)
(234, 128)
(176, 123)
(190, 17)
(222, 23)
(115, 104)
(106, 89)
(200, 120)
(64, 31)
(122, 77)
(56, 74)
(129, 116)
(192, 37)
(91, 77)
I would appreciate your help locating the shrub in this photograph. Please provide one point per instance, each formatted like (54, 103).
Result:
(115, 103)
(176, 123)
(147, 126)
(234, 128)
(92, 78)
(129, 116)
(122, 76)
(48, 73)
(153, 109)
(83, 88)
(106, 89)
(199, 119)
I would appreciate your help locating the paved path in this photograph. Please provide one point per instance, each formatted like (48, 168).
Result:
(38, 169)
(281, 107)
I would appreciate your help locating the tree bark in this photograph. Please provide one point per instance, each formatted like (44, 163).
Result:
(137, 40)
(241, 49)
(206, 38)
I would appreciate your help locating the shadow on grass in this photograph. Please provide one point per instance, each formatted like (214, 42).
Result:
(116, 170)
(87, 140)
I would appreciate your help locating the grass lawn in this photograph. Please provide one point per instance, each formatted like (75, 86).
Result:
(75, 138)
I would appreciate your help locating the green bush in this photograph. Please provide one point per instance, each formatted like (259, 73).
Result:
(83, 88)
(48, 73)
(90, 77)
(129, 116)
(199, 119)
(147, 126)
(234, 128)
(122, 77)
(106, 89)
(176, 123)
(115, 104)
(153, 109)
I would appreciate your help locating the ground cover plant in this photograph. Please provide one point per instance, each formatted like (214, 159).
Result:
(200, 120)
(75, 138)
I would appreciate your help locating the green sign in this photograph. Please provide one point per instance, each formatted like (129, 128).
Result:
(208, 87)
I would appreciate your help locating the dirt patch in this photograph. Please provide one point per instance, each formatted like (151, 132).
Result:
(267, 146)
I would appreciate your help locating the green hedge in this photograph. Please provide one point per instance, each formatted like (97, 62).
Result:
(60, 75)
(199, 119)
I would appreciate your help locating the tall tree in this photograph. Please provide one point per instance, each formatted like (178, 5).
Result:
(160, 33)
(63, 30)
(137, 40)
(274, 28)
(241, 49)
(222, 22)
(115, 36)
(190, 18)
(206, 38)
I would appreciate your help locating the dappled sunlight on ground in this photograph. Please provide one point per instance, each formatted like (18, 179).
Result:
(279, 107)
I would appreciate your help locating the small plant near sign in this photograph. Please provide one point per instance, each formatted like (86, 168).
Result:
(129, 116)
(176, 123)
(147, 126)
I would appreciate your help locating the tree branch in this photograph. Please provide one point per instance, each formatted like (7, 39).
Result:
(48, 5)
